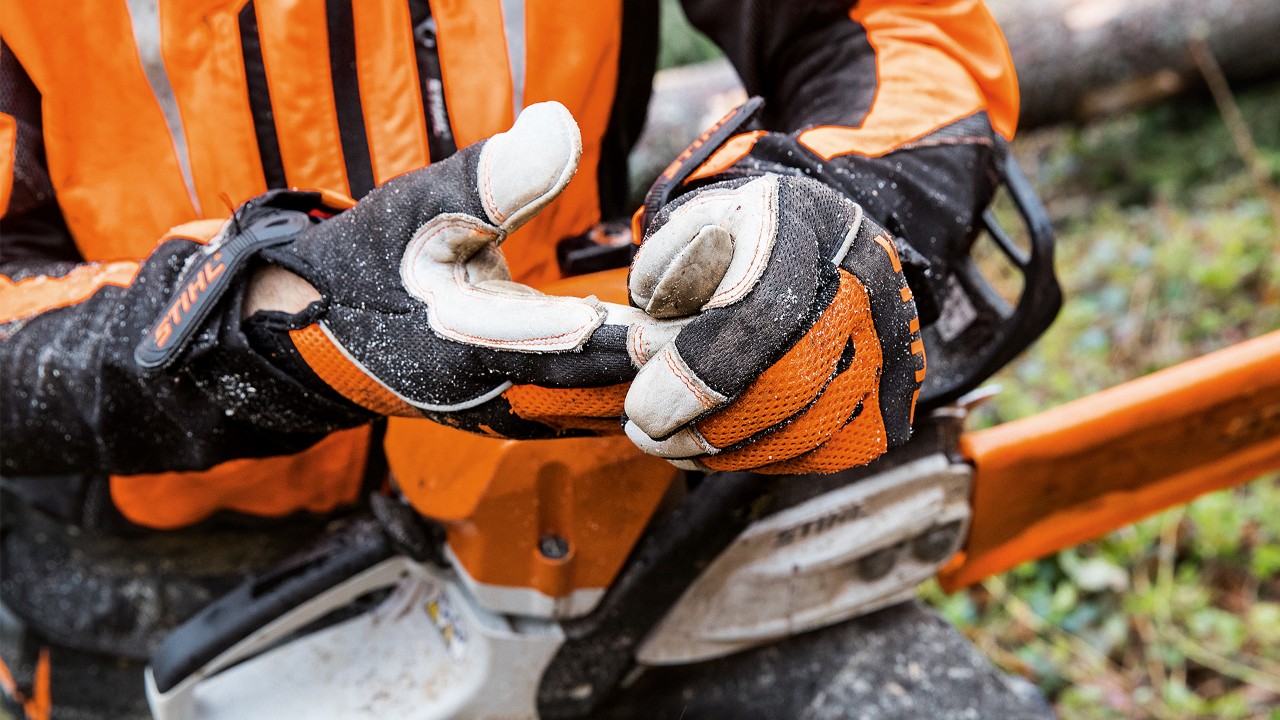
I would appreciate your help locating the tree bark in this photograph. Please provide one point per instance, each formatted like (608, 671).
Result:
(1078, 59)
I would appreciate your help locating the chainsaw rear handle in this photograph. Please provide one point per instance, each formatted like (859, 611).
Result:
(978, 332)
(234, 617)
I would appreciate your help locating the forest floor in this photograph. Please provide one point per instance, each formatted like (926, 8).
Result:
(1166, 251)
(1167, 246)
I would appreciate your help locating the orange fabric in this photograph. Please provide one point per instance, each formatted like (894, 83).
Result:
(1076, 472)
(34, 295)
(476, 75)
(936, 62)
(857, 443)
(572, 56)
(606, 285)
(797, 378)
(320, 479)
(734, 149)
(863, 438)
(386, 67)
(203, 39)
(337, 370)
(295, 53)
(202, 231)
(107, 140)
(40, 705)
(598, 409)
(105, 135)
(8, 156)
(334, 200)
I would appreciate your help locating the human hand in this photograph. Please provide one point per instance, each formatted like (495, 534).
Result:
(803, 354)
(415, 312)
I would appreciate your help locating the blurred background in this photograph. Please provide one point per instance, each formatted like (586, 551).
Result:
(1152, 131)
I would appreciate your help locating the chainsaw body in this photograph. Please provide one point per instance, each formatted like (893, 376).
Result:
(371, 626)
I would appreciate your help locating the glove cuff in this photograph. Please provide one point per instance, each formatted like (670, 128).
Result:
(271, 220)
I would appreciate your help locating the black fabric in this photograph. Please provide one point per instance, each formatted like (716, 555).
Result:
(76, 402)
(346, 95)
(931, 193)
(808, 59)
(264, 123)
(435, 108)
(34, 239)
(637, 61)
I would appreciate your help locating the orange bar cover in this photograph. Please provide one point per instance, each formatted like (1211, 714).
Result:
(1076, 472)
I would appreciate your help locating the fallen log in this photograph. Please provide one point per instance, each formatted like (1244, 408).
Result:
(1079, 59)
(1076, 60)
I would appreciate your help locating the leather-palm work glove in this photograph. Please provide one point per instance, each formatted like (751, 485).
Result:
(418, 315)
(804, 353)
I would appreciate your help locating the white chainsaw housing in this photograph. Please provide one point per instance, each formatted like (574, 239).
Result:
(428, 651)
(431, 649)
(841, 554)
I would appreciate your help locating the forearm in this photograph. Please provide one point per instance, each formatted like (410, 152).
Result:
(902, 106)
(75, 400)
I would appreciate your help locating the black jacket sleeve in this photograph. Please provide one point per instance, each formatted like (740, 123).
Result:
(901, 105)
(73, 400)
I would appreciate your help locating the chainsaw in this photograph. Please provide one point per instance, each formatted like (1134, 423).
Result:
(534, 579)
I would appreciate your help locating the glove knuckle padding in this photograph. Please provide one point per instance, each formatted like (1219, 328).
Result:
(788, 357)
(710, 251)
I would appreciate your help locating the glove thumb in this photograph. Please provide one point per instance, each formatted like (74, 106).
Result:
(523, 169)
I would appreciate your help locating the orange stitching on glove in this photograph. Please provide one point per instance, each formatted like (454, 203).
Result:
(337, 370)
(796, 379)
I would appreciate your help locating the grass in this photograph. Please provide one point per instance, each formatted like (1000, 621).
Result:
(1165, 245)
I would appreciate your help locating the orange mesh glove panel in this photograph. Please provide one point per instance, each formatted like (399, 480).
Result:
(804, 352)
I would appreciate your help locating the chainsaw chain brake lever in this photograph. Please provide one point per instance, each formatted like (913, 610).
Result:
(978, 332)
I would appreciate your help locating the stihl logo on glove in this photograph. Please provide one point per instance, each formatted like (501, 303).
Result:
(204, 283)
(186, 299)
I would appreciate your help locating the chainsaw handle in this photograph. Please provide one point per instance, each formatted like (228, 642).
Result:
(234, 617)
(978, 332)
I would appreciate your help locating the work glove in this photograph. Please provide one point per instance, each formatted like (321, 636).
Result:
(804, 353)
(417, 314)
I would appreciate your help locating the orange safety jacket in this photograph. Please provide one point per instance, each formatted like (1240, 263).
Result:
(122, 120)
